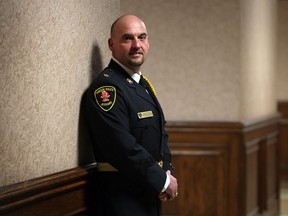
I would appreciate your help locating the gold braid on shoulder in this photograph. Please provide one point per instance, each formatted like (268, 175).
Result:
(150, 85)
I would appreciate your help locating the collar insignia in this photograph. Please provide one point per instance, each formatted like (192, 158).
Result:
(129, 81)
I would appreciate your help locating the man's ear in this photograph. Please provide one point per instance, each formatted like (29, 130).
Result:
(110, 43)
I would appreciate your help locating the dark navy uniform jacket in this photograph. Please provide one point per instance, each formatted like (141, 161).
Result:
(126, 125)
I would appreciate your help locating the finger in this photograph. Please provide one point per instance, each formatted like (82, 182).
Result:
(164, 199)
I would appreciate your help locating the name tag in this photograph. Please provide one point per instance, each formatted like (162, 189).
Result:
(146, 114)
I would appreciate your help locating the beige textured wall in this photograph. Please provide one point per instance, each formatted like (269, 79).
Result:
(48, 52)
(258, 68)
(194, 46)
(282, 55)
(196, 57)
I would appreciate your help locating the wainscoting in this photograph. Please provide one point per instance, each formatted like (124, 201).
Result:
(59, 194)
(223, 169)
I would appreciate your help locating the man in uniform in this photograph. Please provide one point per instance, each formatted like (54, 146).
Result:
(126, 124)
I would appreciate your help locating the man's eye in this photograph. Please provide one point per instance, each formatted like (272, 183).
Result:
(143, 37)
(126, 38)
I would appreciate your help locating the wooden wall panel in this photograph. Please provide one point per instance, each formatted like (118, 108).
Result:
(273, 178)
(223, 169)
(206, 186)
(241, 163)
(206, 150)
(59, 194)
(252, 174)
(283, 138)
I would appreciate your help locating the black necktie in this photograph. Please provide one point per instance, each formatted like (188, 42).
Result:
(150, 90)
(142, 82)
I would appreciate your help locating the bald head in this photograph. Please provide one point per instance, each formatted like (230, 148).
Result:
(124, 20)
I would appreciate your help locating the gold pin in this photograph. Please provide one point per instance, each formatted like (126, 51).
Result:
(129, 81)
(160, 163)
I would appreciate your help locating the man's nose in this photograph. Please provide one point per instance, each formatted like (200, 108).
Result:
(136, 43)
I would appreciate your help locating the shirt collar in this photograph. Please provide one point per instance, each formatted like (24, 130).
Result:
(134, 75)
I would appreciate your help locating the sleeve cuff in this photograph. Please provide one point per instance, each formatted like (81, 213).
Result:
(166, 183)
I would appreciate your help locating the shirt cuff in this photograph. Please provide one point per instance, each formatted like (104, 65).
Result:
(166, 183)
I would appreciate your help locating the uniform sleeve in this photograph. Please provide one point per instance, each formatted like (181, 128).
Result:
(110, 129)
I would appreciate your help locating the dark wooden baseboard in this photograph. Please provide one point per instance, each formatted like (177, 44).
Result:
(223, 169)
(59, 194)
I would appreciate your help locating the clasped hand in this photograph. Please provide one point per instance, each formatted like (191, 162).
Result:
(172, 191)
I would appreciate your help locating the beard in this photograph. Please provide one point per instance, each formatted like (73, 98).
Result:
(136, 62)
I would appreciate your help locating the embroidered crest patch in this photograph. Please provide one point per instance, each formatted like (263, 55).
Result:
(105, 97)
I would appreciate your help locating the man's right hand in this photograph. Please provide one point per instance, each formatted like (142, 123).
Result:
(172, 191)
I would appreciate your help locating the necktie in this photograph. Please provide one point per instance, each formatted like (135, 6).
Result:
(148, 85)
(143, 83)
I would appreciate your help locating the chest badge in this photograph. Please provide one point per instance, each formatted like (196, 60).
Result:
(105, 97)
(145, 114)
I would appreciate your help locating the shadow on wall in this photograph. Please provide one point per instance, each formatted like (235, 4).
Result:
(85, 155)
